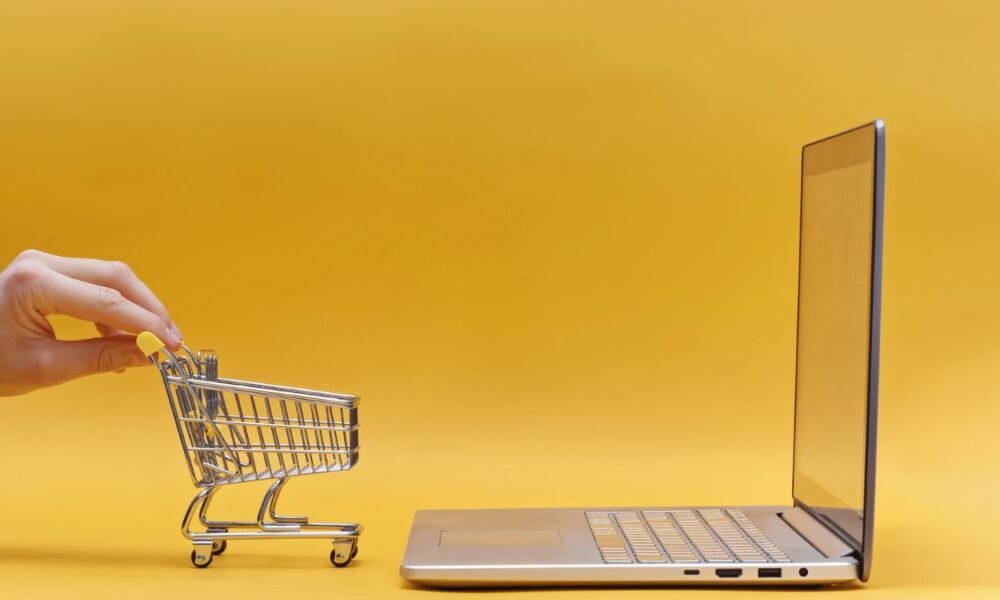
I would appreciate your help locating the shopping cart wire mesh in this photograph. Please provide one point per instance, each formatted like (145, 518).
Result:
(235, 431)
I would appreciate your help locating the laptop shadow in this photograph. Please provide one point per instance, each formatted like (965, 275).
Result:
(550, 589)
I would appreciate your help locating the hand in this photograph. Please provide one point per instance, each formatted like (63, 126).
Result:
(37, 284)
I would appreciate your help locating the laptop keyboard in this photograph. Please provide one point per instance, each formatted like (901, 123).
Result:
(681, 536)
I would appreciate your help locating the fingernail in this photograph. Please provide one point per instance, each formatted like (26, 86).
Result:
(173, 339)
(177, 331)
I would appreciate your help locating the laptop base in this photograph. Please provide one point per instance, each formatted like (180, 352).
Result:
(558, 547)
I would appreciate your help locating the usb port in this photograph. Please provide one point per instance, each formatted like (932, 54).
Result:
(729, 572)
(772, 572)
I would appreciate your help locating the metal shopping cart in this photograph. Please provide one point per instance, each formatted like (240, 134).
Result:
(235, 431)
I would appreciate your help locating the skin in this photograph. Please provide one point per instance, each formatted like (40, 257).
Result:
(107, 293)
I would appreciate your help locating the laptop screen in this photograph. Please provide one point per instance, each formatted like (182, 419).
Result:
(837, 350)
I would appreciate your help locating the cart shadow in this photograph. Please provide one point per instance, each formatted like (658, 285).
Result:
(87, 557)
(128, 558)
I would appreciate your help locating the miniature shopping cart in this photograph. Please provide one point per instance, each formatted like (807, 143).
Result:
(237, 431)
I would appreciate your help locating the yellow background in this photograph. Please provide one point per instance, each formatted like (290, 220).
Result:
(551, 244)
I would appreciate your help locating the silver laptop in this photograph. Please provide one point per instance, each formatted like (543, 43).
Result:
(825, 536)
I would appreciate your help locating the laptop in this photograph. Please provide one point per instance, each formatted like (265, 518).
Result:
(825, 535)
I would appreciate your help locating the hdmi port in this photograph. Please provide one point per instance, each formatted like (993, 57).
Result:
(728, 572)
(772, 572)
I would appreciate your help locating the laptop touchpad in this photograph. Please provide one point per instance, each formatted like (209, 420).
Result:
(500, 538)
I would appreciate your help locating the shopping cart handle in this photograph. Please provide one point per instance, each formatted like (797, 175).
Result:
(148, 343)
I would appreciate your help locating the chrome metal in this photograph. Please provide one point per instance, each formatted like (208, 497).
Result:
(235, 431)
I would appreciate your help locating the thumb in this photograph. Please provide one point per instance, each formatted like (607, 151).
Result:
(77, 358)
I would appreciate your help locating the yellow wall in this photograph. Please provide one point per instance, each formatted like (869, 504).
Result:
(552, 245)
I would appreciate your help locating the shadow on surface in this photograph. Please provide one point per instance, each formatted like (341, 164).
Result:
(139, 559)
(406, 585)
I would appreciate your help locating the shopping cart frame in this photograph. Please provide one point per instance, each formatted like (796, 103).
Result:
(219, 450)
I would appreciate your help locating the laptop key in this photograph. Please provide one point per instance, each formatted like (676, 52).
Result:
(639, 540)
(681, 536)
(610, 543)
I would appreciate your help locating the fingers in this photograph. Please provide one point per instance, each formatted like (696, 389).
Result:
(55, 293)
(106, 331)
(61, 361)
(113, 274)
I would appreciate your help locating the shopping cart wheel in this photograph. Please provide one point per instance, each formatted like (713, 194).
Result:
(343, 553)
(218, 546)
(200, 558)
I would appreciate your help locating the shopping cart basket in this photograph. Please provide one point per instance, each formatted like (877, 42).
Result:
(235, 431)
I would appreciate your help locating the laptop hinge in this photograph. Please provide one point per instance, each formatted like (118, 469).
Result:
(816, 534)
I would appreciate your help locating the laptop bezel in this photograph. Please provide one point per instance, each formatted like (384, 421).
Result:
(874, 337)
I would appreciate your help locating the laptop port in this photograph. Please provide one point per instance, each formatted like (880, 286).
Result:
(691, 571)
(728, 572)
(772, 572)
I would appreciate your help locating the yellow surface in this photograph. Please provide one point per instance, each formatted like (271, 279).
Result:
(551, 244)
